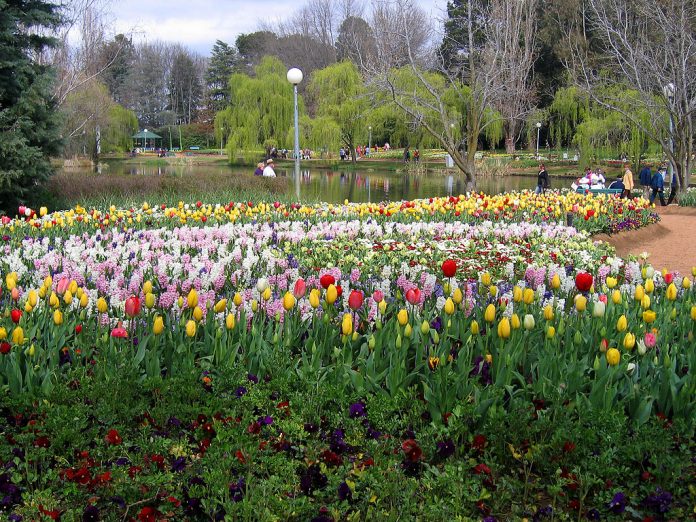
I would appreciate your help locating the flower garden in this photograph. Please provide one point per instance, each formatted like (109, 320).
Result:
(470, 358)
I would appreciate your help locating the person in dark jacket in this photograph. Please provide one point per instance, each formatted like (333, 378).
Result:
(672, 188)
(617, 183)
(259, 169)
(542, 180)
(645, 178)
(658, 187)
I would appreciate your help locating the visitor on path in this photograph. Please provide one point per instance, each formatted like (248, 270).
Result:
(416, 156)
(658, 187)
(645, 178)
(407, 155)
(618, 183)
(342, 153)
(672, 188)
(627, 182)
(259, 169)
(542, 180)
(268, 172)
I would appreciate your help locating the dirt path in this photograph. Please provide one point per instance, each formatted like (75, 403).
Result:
(671, 243)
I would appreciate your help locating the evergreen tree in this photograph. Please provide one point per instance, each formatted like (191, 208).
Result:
(223, 63)
(29, 126)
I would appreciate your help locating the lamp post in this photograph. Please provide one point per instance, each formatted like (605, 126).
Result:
(295, 77)
(538, 126)
(369, 141)
(222, 135)
(668, 91)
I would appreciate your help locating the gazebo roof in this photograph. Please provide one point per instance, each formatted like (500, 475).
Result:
(146, 134)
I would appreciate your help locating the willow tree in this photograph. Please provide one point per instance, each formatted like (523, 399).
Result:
(260, 109)
(568, 109)
(340, 94)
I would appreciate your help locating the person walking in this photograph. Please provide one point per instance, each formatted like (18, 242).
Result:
(407, 155)
(416, 156)
(645, 178)
(627, 182)
(542, 180)
(268, 172)
(658, 187)
(672, 188)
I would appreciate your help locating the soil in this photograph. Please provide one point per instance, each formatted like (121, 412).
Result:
(671, 243)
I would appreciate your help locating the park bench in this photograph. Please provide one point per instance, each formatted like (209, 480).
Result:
(581, 190)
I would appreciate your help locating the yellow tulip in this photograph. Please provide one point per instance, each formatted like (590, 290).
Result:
(53, 300)
(672, 292)
(10, 282)
(42, 292)
(649, 286)
(693, 313)
(611, 282)
(67, 297)
(516, 294)
(230, 321)
(197, 313)
(580, 303)
(649, 316)
(27, 307)
(80, 292)
(191, 328)
(622, 323)
(486, 279)
(474, 328)
(147, 287)
(101, 305)
(149, 300)
(489, 314)
(686, 283)
(613, 356)
(33, 298)
(402, 317)
(550, 332)
(237, 299)
(457, 296)
(192, 298)
(639, 293)
(48, 281)
(158, 325)
(382, 306)
(180, 302)
(18, 335)
(693, 271)
(449, 306)
(58, 317)
(331, 294)
(288, 301)
(314, 298)
(555, 282)
(347, 324)
(73, 287)
(266, 293)
(629, 341)
(220, 306)
(408, 330)
(548, 313)
(645, 302)
(616, 297)
(3, 333)
(528, 296)
(493, 290)
(515, 321)
(31, 351)
(504, 328)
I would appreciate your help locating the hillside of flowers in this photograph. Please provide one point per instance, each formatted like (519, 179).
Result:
(470, 357)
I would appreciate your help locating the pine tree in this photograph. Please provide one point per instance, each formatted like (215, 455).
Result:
(223, 63)
(29, 125)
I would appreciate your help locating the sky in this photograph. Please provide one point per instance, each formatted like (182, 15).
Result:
(198, 23)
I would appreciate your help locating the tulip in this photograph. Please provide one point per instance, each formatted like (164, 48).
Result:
(3, 333)
(645, 302)
(413, 296)
(613, 356)
(197, 313)
(489, 314)
(449, 306)
(149, 300)
(515, 321)
(53, 300)
(192, 298)
(550, 332)
(382, 307)
(486, 279)
(33, 298)
(686, 283)
(457, 296)
(326, 281)
(528, 296)
(347, 324)
(266, 295)
(62, 286)
(548, 313)
(147, 287)
(229, 321)
(555, 282)
(425, 327)
(288, 301)
(314, 298)
(402, 317)
(237, 299)
(16, 316)
(48, 281)
(84, 301)
(57, 317)
(493, 290)
(132, 306)
(18, 335)
(639, 293)
(693, 313)
(616, 297)
(693, 271)
(43, 211)
(629, 341)
(158, 325)
(583, 281)
(672, 292)
(516, 294)
(649, 316)
(621, 324)
(190, 328)
(378, 296)
(648, 272)
(101, 305)
(611, 282)
(580, 303)
(529, 322)
(474, 328)
(299, 289)
(598, 309)
(649, 286)
(73, 287)
(331, 294)
(355, 299)
(220, 306)
(262, 284)
(504, 328)
(408, 330)
(67, 297)
(449, 268)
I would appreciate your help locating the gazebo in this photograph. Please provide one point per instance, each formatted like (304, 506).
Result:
(146, 139)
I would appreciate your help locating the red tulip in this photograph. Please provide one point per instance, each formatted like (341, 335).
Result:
(583, 281)
(449, 268)
(16, 316)
(132, 306)
(119, 332)
(355, 299)
(413, 296)
(327, 280)
(378, 295)
(5, 347)
(339, 290)
(669, 278)
(300, 289)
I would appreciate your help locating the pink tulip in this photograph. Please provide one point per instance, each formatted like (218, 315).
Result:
(22, 208)
(355, 299)
(378, 296)
(413, 296)
(603, 298)
(132, 306)
(300, 288)
(6, 220)
(119, 332)
(650, 340)
(63, 285)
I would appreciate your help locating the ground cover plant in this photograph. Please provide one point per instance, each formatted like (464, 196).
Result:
(471, 357)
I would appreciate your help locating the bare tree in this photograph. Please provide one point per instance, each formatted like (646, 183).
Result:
(649, 47)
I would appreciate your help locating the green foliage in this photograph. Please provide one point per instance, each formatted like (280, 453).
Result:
(29, 125)
(567, 110)
(223, 62)
(117, 135)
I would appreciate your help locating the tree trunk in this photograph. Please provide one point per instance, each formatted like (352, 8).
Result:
(509, 143)
(353, 155)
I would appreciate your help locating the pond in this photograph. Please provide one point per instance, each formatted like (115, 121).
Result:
(335, 185)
